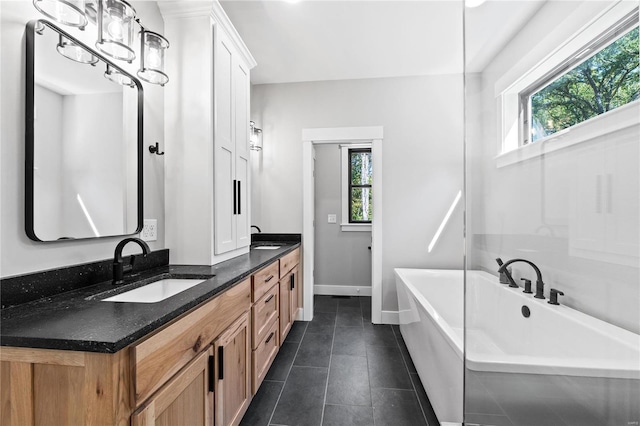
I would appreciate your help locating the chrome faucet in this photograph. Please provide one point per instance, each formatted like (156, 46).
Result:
(539, 283)
(118, 266)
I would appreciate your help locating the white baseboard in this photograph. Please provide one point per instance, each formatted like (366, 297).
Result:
(390, 317)
(341, 290)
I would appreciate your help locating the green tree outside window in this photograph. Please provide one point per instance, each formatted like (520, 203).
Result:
(601, 83)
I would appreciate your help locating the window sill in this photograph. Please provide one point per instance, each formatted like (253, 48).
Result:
(610, 122)
(355, 227)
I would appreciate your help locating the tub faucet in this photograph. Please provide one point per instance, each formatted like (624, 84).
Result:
(118, 266)
(539, 283)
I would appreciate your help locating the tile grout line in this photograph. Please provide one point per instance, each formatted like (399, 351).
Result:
(273, 412)
(326, 386)
(413, 385)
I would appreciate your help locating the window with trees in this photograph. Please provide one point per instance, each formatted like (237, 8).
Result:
(359, 190)
(603, 76)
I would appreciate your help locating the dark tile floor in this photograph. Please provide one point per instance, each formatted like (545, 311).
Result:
(340, 369)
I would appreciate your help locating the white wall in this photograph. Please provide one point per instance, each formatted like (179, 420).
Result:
(341, 258)
(542, 209)
(18, 253)
(422, 159)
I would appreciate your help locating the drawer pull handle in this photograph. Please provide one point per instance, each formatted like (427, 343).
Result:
(269, 298)
(269, 278)
(269, 338)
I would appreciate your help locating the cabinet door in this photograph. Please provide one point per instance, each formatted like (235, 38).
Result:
(285, 307)
(232, 378)
(186, 400)
(241, 116)
(296, 293)
(225, 184)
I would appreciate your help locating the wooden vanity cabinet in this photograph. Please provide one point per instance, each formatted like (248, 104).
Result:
(186, 400)
(200, 369)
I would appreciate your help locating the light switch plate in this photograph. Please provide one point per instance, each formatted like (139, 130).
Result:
(149, 230)
(331, 218)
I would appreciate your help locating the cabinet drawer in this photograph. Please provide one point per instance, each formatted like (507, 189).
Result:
(156, 359)
(288, 261)
(264, 355)
(263, 313)
(264, 279)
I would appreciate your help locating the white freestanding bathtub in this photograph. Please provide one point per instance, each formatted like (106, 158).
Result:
(598, 363)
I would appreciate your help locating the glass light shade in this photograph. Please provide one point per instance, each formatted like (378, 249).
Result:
(116, 76)
(67, 12)
(116, 19)
(152, 46)
(91, 10)
(255, 137)
(72, 51)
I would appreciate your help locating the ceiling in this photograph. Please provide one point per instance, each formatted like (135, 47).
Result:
(314, 40)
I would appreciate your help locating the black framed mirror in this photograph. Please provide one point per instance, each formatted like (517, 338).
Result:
(83, 173)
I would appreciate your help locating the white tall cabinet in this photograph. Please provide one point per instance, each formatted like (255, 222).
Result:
(207, 134)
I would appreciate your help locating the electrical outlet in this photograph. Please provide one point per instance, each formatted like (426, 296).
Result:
(149, 230)
(332, 218)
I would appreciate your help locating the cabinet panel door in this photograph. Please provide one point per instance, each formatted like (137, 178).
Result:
(241, 93)
(233, 379)
(285, 307)
(296, 293)
(185, 400)
(225, 186)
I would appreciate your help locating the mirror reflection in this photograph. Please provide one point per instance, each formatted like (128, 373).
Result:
(84, 121)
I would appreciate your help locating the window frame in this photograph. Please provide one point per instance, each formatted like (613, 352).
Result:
(345, 225)
(351, 186)
(624, 26)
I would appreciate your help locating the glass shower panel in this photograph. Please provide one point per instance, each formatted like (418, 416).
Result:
(560, 210)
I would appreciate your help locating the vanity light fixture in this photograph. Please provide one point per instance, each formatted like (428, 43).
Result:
(152, 47)
(116, 76)
(255, 137)
(70, 50)
(67, 12)
(116, 19)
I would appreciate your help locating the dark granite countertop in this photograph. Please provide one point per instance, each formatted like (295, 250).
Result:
(78, 320)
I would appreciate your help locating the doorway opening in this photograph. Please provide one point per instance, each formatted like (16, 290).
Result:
(344, 136)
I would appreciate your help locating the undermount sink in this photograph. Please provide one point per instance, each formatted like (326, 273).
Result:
(156, 291)
(266, 247)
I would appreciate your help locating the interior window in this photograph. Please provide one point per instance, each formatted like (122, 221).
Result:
(601, 77)
(360, 180)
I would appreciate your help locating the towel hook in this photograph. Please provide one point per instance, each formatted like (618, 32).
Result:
(155, 149)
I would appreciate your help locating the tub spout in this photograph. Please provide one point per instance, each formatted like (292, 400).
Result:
(539, 283)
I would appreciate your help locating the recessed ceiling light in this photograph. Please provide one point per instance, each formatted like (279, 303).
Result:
(473, 3)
